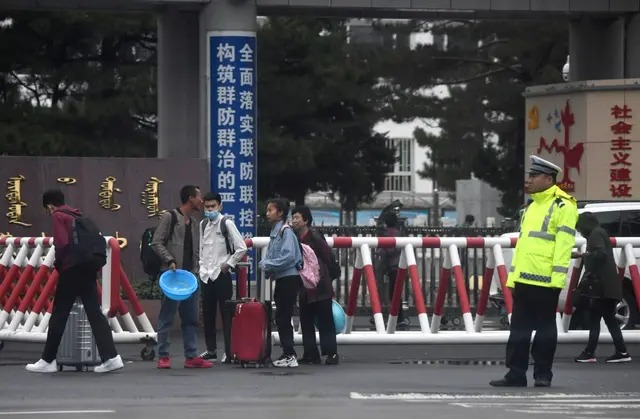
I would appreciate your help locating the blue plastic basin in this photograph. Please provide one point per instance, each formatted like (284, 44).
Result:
(179, 284)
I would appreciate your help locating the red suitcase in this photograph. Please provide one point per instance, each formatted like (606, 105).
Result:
(251, 333)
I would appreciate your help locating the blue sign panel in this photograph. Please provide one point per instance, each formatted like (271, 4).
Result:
(233, 125)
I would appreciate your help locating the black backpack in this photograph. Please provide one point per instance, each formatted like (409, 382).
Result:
(87, 245)
(151, 262)
(224, 231)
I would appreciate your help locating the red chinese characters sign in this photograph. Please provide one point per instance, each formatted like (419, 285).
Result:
(571, 154)
(620, 164)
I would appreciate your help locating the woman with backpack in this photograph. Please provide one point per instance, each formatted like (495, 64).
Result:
(605, 285)
(316, 302)
(282, 263)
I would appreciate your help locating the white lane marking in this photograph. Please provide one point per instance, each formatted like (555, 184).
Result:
(512, 396)
(54, 412)
(570, 406)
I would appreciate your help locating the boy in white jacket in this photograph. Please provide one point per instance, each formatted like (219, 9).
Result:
(218, 256)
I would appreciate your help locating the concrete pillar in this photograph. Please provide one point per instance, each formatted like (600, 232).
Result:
(632, 53)
(219, 15)
(597, 49)
(178, 85)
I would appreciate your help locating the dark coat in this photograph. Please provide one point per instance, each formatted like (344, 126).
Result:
(324, 291)
(599, 259)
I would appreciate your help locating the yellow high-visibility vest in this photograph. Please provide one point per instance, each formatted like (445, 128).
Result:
(547, 237)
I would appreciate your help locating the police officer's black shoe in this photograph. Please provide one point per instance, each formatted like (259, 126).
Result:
(540, 382)
(506, 382)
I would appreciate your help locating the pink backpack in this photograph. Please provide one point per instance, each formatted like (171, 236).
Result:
(310, 272)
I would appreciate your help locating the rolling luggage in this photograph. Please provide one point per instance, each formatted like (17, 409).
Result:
(247, 331)
(251, 333)
(78, 346)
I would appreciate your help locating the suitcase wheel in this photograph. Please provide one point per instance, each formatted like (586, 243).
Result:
(243, 364)
(60, 367)
(83, 368)
(147, 354)
(1, 345)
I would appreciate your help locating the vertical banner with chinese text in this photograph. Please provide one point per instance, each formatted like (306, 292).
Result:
(233, 125)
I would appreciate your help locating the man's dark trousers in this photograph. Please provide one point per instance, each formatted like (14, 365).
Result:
(72, 283)
(534, 308)
(214, 295)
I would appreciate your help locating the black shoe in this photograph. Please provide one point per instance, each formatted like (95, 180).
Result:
(505, 382)
(310, 360)
(586, 358)
(209, 355)
(619, 357)
(332, 360)
(542, 383)
(403, 324)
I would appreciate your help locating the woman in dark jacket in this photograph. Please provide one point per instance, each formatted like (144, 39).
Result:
(317, 302)
(600, 265)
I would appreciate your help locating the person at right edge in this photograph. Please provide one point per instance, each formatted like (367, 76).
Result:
(538, 273)
(599, 262)
(387, 264)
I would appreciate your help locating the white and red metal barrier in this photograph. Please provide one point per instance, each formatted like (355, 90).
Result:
(27, 288)
(473, 327)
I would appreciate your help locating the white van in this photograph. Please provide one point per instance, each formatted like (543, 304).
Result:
(620, 219)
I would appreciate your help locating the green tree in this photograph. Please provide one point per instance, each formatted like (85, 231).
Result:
(77, 84)
(317, 113)
(487, 65)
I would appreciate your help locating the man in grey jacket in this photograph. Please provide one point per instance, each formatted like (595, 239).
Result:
(179, 249)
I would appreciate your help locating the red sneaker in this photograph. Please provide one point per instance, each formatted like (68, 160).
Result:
(197, 362)
(164, 363)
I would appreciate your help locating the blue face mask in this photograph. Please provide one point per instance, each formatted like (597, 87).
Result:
(212, 215)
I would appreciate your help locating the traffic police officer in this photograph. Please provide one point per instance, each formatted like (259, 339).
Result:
(538, 273)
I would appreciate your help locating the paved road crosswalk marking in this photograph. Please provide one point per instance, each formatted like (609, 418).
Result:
(570, 405)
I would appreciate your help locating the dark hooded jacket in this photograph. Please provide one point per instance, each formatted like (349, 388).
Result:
(599, 259)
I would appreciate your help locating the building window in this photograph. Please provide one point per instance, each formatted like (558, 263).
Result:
(401, 177)
(398, 183)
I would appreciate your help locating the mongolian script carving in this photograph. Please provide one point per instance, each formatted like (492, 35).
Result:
(151, 197)
(123, 242)
(67, 180)
(107, 188)
(14, 198)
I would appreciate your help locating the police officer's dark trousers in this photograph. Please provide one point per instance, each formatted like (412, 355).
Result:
(534, 308)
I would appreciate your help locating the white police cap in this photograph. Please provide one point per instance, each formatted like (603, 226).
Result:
(542, 166)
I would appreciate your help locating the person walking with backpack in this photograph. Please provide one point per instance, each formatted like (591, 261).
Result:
(176, 241)
(317, 303)
(282, 262)
(221, 248)
(77, 278)
(601, 269)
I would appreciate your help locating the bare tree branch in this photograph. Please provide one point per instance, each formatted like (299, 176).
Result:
(472, 78)
(464, 60)
(26, 86)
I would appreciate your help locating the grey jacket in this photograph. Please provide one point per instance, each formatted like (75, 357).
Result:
(174, 249)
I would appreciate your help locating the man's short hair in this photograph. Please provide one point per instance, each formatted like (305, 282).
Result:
(188, 191)
(53, 197)
(212, 196)
(304, 212)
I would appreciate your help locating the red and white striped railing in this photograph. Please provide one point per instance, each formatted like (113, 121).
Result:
(473, 327)
(27, 288)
